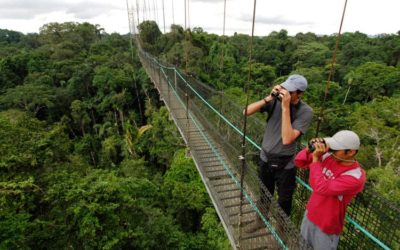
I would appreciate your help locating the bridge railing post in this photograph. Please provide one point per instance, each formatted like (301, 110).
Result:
(153, 69)
(175, 81)
(221, 109)
(159, 74)
(169, 90)
(187, 115)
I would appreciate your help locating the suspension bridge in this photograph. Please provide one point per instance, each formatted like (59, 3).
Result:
(209, 122)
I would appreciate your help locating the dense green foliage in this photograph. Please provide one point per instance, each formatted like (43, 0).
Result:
(363, 95)
(88, 156)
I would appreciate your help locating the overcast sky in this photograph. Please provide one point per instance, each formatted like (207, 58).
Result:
(318, 16)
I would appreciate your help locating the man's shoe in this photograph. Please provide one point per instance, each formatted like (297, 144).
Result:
(255, 225)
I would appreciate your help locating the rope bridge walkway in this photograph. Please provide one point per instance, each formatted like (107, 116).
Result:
(209, 123)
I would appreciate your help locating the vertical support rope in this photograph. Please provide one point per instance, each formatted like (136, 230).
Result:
(223, 38)
(159, 74)
(131, 22)
(187, 116)
(188, 13)
(243, 156)
(154, 11)
(223, 28)
(173, 13)
(186, 48)
(163, 14)
(186, 71)
(331, 73)
(155, 6)
(176, 84)
(137, 11)
(169, 92)
(185, 12)
(143, 10)
(187, 35)
(138, 39)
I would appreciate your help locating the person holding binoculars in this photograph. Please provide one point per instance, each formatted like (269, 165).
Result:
(288, 118)
(335, 178)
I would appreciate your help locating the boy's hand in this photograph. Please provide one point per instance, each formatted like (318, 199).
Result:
(320, 149)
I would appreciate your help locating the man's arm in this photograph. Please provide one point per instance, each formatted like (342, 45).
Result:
(288, 133)
(256, 106)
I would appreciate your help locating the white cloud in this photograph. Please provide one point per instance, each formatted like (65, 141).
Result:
(28, 9)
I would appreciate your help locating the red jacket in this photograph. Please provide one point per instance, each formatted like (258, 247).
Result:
(334, 186)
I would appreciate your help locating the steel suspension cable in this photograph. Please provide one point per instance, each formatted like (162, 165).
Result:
(331, 72)
(243, 156)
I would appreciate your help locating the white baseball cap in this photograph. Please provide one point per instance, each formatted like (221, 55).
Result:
(344, 139)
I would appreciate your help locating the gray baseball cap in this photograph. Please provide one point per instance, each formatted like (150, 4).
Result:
(294, 83)
(344, 139)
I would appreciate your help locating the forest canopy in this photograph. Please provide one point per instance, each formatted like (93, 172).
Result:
(88, 156)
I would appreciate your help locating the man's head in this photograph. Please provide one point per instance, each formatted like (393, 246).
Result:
(295, 85)
(344, 144)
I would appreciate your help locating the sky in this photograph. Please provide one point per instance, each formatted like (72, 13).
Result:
(321, 17)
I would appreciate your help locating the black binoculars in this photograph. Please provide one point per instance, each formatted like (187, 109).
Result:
(311, 145)
(277, 95)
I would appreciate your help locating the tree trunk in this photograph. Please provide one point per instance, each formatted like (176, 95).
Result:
(139, 103)
(94, 120)
(378, 155)
(121, 117)
(116, 121)
(93, 159)
(83, 128)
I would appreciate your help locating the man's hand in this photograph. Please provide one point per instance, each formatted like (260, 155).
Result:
(275, 90)
(268, 98)
(286, 97)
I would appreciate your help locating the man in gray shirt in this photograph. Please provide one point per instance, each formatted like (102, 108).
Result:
(288, 118)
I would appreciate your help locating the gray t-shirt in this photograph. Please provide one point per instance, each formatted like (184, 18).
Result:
(301, 116)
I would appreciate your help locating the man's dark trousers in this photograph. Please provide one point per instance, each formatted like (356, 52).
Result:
(285, 180)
